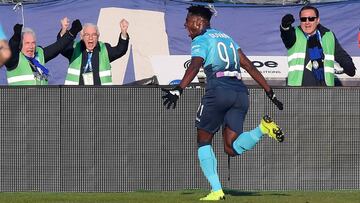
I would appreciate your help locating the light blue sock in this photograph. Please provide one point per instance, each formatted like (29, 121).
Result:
(247, 140)
(208, 165)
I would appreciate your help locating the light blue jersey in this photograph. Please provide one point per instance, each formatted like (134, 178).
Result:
(221, 58)
(2, 34)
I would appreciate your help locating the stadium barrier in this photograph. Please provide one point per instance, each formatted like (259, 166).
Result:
(110, 139)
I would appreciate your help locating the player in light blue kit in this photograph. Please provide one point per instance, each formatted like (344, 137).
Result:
(226, 101)
(2, 33)
(5, 52)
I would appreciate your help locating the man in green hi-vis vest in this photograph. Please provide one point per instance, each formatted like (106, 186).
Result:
(89, 58)
(312, 50)
(27, 63)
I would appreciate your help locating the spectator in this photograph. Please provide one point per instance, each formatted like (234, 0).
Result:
(312, 50)
(27, 63)
(90, 58)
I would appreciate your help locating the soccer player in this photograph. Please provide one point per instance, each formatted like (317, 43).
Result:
(226, 101)
(5, 52)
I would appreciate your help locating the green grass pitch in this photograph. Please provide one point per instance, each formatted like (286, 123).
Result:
(184, 196)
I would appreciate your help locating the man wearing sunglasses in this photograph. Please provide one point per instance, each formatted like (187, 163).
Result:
(312, 50)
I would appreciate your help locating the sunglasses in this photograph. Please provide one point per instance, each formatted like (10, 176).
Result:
(310, 19)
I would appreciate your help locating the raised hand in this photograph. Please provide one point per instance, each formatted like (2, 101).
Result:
(65, 23)
(287, 20)
(18, 29)
(76, 27)
(124, 25)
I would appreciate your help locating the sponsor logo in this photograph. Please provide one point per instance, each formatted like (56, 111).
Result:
(257, 64)
(187, 64)
(269, 64)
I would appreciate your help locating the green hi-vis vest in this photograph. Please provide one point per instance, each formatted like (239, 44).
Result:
(73, 75)
(296, 58)
(23, 74)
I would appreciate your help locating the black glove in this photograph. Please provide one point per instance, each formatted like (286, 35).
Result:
(287, 20)
(76, 27)
(18, 29)
(171, 96)
(273, 98)
(17, 32)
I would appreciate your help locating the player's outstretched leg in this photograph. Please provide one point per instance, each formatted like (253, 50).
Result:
(269, 127)
(214, 196)
(247, 140)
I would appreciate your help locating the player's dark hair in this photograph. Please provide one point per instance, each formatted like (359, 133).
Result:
(308, 7)
(200, 10)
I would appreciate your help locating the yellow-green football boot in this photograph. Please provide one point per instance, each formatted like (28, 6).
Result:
(214, 196)
(269, 127)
